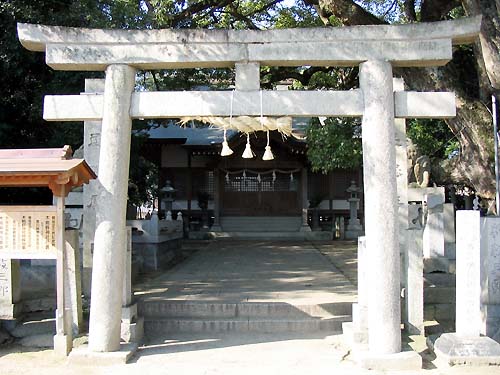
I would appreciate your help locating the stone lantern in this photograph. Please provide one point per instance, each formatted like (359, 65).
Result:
(167, 199)
(354, 228)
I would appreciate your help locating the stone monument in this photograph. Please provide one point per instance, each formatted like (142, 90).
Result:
(476, 247)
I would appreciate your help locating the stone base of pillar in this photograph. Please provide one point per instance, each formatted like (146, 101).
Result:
(63, 345)
(10, 311)
(133, 332)
(354, 337)
(132, 326)
(305, 228)
(403, 361)
(83, 356)
(453, 349)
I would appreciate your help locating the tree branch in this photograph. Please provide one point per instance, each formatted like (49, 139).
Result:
(436, 10)
(346, 11)
(198, 7)
(409, 9)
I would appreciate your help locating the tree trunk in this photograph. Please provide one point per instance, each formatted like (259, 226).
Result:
(472, 126)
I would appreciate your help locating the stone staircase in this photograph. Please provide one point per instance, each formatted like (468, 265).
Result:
(164, 316)
(439, 302)
(261, 223)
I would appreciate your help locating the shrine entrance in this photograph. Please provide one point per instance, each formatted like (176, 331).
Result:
(260, 193)
(380, 102)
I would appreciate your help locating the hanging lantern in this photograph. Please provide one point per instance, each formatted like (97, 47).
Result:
(248, 153)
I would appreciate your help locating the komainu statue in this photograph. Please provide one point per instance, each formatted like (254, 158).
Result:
(419, 167)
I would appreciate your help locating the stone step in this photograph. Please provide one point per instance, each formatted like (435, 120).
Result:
(440, 311)
(260, 223)
(32, 325)
(440, 279)
(272, 310)
(155, 327)
(268, 235)
(439, 294)
(43, 303)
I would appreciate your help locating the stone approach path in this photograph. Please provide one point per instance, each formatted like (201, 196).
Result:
(235, 353)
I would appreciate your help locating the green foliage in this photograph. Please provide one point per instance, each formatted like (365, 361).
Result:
(337, 144)
(433, 137)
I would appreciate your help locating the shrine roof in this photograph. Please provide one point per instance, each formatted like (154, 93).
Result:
(205, 136)
(52, 168)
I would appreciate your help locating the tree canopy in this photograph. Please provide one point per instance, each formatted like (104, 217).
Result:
(473, 74)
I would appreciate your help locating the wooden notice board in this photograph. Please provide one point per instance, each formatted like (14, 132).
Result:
(28, 232)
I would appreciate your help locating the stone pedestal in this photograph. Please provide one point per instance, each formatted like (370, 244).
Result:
(455, 349)
(466, 346)
(110, 237)
(10, 288)
(381, 213)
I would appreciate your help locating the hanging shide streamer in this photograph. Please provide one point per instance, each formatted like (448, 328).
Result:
(268, 154)
(247, 125)
(226, 150)
(248, 153)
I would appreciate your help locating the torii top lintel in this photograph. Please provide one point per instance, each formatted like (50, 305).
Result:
(420, 44)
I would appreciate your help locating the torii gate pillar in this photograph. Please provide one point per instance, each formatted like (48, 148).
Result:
(381, 209)
(110, 235)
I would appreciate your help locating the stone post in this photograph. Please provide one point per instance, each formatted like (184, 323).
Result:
(247, 76)
(490, 277)
(468, 267)
(357, 332)
(73, 287)
(381, 212)
(414, 285)
(402, 190)
(110, 237)
(91, 148)
(10, 288)
(63, 339)
(305, 203)
(434, 227)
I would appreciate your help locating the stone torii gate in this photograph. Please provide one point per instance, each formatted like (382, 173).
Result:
(375, 49)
